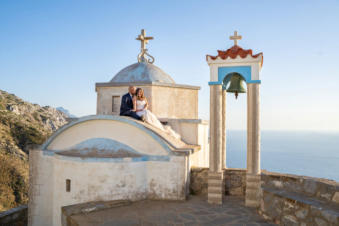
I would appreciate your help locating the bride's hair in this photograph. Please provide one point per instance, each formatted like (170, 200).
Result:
(141, 92)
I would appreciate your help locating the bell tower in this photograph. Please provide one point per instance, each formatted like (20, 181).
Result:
(228, 70)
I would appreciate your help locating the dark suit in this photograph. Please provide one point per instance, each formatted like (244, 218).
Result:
(126, 107)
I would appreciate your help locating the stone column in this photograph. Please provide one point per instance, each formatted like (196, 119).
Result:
(223, 146)
(215, 175)
(253, 146)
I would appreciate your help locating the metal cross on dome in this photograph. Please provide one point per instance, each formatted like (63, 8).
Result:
(144, 41)
(235, 38)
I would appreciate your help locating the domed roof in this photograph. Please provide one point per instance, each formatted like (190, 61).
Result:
(142, 72)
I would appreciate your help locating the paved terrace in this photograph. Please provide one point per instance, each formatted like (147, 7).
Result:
(195, 211)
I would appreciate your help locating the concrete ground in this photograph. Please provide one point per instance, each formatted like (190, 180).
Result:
(195, 211)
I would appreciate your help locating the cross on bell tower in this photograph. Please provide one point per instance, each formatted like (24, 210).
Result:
(235, 38)
(143, 51)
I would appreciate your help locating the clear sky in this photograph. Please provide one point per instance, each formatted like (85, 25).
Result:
(53, 52)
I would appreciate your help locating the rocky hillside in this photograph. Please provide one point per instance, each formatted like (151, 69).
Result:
(22, 125)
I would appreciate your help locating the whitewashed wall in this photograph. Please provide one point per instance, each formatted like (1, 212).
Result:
(92, 180)
(158, 174)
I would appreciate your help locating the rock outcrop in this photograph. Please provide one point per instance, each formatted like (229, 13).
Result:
(22, 125)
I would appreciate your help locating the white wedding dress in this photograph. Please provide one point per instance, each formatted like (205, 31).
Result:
(151, 119)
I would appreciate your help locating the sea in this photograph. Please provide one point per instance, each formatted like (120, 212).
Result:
(314, 154)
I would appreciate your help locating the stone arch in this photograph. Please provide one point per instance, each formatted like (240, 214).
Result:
(108, 127)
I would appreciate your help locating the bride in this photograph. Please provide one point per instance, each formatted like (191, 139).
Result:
(140, 105)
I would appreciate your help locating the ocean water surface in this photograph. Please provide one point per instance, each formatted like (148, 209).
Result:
(314, 154)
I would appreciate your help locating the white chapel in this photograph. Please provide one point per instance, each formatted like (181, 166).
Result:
(107, 157)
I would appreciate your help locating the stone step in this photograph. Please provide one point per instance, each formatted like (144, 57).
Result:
(214, 201)
(214, 196)
(251, 203)
(251, 181)
(253, 178)
(213, 182)
(216, 190)
(252, 194)
(252, 186)
(215, 176)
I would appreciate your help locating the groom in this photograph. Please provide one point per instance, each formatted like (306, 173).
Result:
(126, 108)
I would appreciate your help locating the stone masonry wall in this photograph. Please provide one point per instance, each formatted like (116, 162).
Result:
(285, 199)
(235, 181)
(324, 189)
(198, 181)
(299, 200)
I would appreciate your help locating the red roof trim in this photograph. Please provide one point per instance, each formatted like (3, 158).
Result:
(233, 52)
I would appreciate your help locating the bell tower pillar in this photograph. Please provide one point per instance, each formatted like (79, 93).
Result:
(215, 174)
(223, 132)
(253, 146)
(234, 66)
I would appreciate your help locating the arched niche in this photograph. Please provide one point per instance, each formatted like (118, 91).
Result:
(244, 71)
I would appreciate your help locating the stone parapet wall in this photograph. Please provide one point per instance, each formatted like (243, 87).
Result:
(299, 200)
(285, 199)
(14, 217)
(235, 181)
(198, 181)
(327, 190)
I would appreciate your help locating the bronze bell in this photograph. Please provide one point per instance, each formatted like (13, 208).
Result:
(236, 85)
